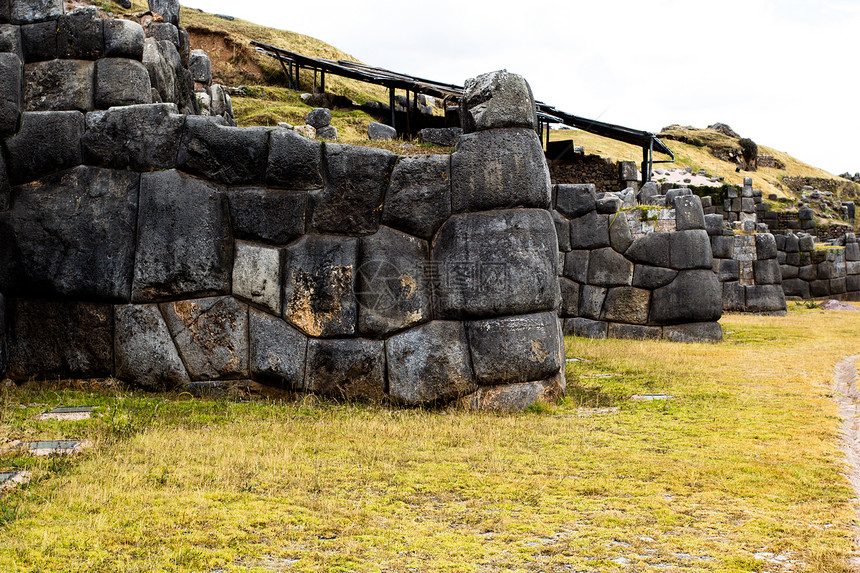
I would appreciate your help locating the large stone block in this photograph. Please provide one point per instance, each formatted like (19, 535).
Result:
(393, 287)
(714, 224)
(633, 331)
(648, 277)
(277, 351)
(734, 296)
(765, 246)
(585, 327)
(620, 236)
(502, 168)
(575, 200)
(497, 99)
(569, 298)
(515, 397)
(319, 285)
(167, 9)
(767, 272)
(688, 213)
(185, 247)
(121, 81)
(591, 231)
(765, 298)
(819, 288)
(591, 301)
(349, 369)
(48, 141)
(272, 216)
(788, 271)
(163, 31)
(39, 42)
(791, 243)
(211, 335)
(419, 195)
(626, 304)
(356, 179)
(230, 155)
(29, 11)
(496, 263)
(562, 231)
(200, 66)
(137, 137)
(257, 271)
(123, 39)
(852, 252)
(80, 35)
(515, 348)
(729, 270)
(429, 363)
(576, 265)
(10, 40)
(837, 286)
(71, 234)
(5, 187)
(50, 339)
(145, 352)
(651, 249)
(722, 246)
(170, 80)
(694, 332)
(796, 288)
(59, 85)
(606, 267)
(295, 162)
(694, 296)
(690, 250)
(11, 93)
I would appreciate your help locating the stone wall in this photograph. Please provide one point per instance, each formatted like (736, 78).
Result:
(580, 168)
(807, 272)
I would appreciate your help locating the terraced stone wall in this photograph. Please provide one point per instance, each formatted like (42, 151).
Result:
(807, 272)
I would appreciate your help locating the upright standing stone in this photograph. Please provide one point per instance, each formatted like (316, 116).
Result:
(145, 352)
(497, 99)
(167, 9)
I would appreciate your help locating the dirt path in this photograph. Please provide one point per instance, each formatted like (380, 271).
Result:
(847, 397)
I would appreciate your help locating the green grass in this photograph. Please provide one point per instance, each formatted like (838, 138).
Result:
(743, 460)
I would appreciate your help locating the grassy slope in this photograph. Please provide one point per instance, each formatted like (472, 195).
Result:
(744, 460)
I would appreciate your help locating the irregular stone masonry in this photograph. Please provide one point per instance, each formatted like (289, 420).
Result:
(810, 272)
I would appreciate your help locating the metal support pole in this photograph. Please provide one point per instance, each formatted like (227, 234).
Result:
(415, 108)
(286, 73)
(646, 175)
(322, 81)
(408, 122)
(315, 81)
(391, 104)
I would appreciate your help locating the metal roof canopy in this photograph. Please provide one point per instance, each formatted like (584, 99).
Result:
(393, 80)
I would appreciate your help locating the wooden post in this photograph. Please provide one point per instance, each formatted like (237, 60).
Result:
(408, 123)
(391, 104)
(322, 81)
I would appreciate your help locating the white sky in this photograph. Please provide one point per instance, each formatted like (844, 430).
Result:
(781, 72)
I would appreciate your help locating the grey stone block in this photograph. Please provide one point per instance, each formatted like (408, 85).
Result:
(445, 136)
(11, 93)
(123, 39)
(626, 304)
(837, 286)
(781, 257)
(48, 141)
(562, 231)
(184, 243)
(606, 267)
(819, 288)
(765, 298)
(825, 271)
(168, 9)
(164, 31)
(145, 352)
(271, 216)
(734, 296)
(184, 47)
(356, 179)
(852, 252)
(575, 200)
(807, 272)
(39, 42)
(677, 192)
(230, 155)
(651, 249)
(576, 265)
(346, 369)
(690, 250)
(620, 236)
(729, 270)
(747, 205)
(5, 188)
(688, 213)
(722, 246)
(502, 168)
(295, 162)
(608, 204)
(788, 272)
(29, 11)
(791, 243)
(694, 296)
(211, 335)
(794, 259)
(516, 397)
(694, 332)
(429, 363)
(806, 243)
(796, 287)
(494, 263)
(71, 234)
(318, 118)
(767, 272)
(169, 79)
(515, 348)
(59, 85)
(591, 231)
(52, 339)
(394, 292)
(381, 132)
(805, 214)
(648, 277)
(765, 245)
(10, 40)
(633, 331)
(257, 271)
(569, 298)
(80, 35)
(277, 351)
(418, 200)
(137, 137)
(200, 66)
(852, 284)
(121, 81)
(319, 285)
(586, 328)
(591, 301)
(497, 99)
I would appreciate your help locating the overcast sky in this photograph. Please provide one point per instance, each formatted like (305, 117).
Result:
(781, 72)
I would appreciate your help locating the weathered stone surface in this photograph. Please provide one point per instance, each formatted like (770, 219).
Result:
(585, 327)
(499, 262)
(277, 351)
(356, 178)
(184, 47)
(767, 272)
(650, 278)
(626, 304)
(184, 241)
(49, 339)
(591, 231)
(515, 397)
(11, 93)
(620, 236)
(694, 296)
(211, 335)
(765, 246)
(319, 285)
(714, 224)
(576, 265)
(575, 200)
(59, 85)
(48, 141)
(791, 243)
(39, 42)
(28, 11)
(318, 118)
(608, 204)
(852, 252)
(502, 168)
(734, 296)
(694, 332)
(257, 271)
(123, 39)
(497, 99)
(328, 133)
(806, 243)
(168, 9)
(169, 79)
(393, 287)
(819, 288)
(515, 348)
(295, 162)
(71, 234)
(651, 249)
(569, 297)
(10, 40)
(633, 331)
(5, 187)
(271, 216)
(429, 363)
(796, 288)
(145, 352)
(837, 286)
(221, 104)
(591, 301)
(444, 136)
(852, 283)
(606, 267)
(381, 132)
(690, 250)
(562, 231)
(164, 31)
(788, 271)
(722, 246)
(419, 195)
(137, 137)
(230, 155)
(688, 213)
(80, 35)
(352, 368)
(121, 81)
(200, 66)
(729, 270)
(765, 298)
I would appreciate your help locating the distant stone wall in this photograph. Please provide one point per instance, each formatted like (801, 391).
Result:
(807, 272)
(578, 168)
